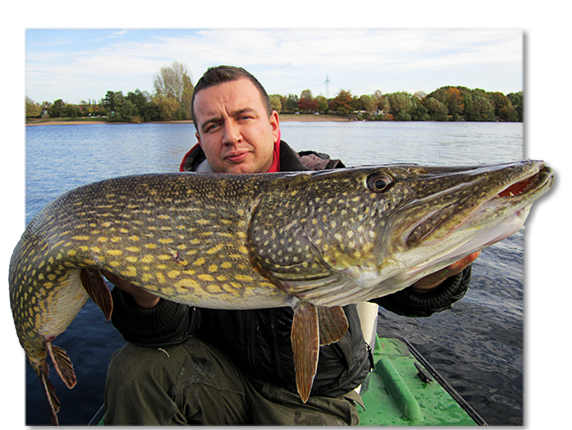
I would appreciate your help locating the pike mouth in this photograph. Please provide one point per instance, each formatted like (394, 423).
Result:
(514, 199)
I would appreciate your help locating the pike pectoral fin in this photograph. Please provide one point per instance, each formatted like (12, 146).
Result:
(306, 347)
(333, 324)
(95, 286)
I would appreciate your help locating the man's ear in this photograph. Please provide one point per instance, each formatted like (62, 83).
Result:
(198, 136)
(275, 124)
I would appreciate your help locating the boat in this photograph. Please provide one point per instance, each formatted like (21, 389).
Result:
(403, 389)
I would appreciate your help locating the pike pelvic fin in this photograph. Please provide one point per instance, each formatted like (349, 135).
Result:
(306, 347)
(93, 282)
(312, 327)
(332, 323)
(62, 364)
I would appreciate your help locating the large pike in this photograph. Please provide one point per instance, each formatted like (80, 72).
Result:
(315, 241)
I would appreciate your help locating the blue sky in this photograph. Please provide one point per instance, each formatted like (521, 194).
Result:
(84, 64)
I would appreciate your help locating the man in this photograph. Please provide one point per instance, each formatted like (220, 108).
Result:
(184, 365)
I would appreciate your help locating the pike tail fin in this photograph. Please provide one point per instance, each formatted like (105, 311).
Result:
(49, 392)
(95, 286)
(312, 327)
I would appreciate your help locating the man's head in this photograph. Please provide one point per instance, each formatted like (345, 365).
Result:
(221, 74)
(236, 127)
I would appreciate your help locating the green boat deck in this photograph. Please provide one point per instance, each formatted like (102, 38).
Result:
(405, 390)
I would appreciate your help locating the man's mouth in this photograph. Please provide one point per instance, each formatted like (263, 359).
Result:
(237, 156)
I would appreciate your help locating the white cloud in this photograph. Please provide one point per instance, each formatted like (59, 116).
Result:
(279, 58)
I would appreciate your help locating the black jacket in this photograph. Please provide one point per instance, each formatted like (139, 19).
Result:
(258, 341)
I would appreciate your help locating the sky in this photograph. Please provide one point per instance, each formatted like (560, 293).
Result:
(82, 64)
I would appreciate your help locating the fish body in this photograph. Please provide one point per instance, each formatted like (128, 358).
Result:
(314, 241)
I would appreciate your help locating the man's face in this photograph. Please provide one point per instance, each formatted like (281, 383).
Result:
(234, 129)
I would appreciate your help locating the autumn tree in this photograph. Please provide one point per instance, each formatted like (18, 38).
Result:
(306, 102)
(322, 103)
(436, 109)
(342, 103)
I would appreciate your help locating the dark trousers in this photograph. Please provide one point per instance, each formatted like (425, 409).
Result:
(195, 383)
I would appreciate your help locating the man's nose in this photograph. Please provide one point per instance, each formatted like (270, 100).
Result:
(231, 133)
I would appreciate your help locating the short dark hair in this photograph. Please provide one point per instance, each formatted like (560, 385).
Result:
(220, 74)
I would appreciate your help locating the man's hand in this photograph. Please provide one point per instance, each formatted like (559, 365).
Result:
(426, 284)
(142, 298)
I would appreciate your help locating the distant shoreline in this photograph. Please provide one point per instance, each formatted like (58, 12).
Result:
(283, 118)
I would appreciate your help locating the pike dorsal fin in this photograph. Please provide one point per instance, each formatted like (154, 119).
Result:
(95, 286)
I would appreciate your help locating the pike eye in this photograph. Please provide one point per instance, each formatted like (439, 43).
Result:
(379, 182)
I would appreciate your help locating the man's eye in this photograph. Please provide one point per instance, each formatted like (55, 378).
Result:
(211, 127)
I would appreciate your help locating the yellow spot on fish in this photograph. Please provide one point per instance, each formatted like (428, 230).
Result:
(164, 257)
(114, 251)
(134, 238)
(173, 274)
(150, 246)
(147, 259)
(164, 217)
(199, 262)
(213, 288)
(72, 252)
(133, 249)
(131, 271)
(189, 283)
(165, 240)
(202, 221)
(132, 259)
(150, 287)
(246, 278)
(213, 268)
(146, 277)
(48, 285)
(226, 265)
(115, 239)
(114, 263)
(243, 249)
(215, 249)
(221, 278)
(205, 277)
(160, 277)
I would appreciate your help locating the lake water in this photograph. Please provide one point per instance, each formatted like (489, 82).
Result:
(477, 345)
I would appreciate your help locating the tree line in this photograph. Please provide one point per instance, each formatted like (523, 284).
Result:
(174, 90)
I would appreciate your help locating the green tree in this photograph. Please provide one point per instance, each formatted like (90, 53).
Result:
(322, 103)
(56, 108)
(291, 103)
(436, 109)
(517, 101)
(400, 103)
(275, 102)
(469, 108)
(483, 108)
(367, 102)
(32, 109)
(167, 107)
